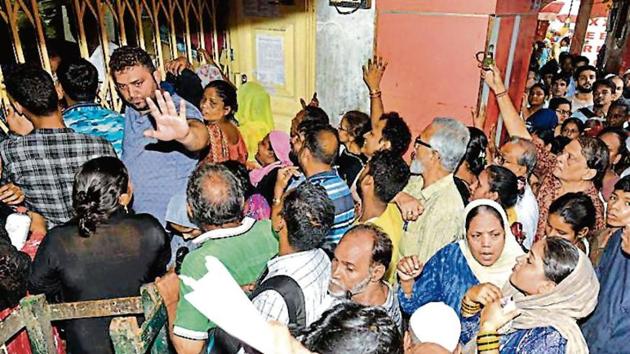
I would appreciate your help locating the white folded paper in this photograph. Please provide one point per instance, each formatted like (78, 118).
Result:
(217, 296)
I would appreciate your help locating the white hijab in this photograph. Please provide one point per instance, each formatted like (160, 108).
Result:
(498, 273)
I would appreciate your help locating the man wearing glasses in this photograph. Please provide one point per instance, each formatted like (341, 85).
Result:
(519, 156)
(437, 153)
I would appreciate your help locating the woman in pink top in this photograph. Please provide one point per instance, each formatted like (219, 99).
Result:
(218, 106)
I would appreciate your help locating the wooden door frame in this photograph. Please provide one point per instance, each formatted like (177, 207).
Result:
(311, 29)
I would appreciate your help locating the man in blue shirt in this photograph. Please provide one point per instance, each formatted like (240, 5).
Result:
(79, 84)
(162, 134)
(316, 147)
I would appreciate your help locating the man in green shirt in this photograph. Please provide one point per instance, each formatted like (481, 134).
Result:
(215, 202)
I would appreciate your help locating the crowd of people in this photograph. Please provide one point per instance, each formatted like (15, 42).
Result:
(347, 247)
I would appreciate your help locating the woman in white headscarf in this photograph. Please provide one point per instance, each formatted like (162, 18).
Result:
(485, 256)
(550, 289)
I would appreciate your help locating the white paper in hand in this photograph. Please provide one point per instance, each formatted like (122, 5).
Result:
(218, 297)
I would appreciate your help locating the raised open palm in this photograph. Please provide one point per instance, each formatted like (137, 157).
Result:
(169, 124)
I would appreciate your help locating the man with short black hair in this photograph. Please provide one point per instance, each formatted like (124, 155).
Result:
(391, 133)
(79, 85)
(618, 114)
(385, 175)
(308, 114)
(559, 86)
(316, 148)
(358, 272)
(162, 133)
(603, 92)
(44, 161)
(351, 328)
(306, 218)
(215, 204)
(584, 78)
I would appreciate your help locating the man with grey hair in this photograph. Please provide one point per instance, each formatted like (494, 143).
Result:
(437, 153)
(519, 156)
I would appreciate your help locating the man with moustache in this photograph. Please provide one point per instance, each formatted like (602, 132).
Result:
(603, 97)
(162, 136)
(315, 148)
(358, 270)
(584, 78)
(437, 153)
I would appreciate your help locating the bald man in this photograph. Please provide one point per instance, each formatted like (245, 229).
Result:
(358, 270)
(315, 149)
(216, 202)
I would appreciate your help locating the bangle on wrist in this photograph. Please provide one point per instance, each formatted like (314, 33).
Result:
(469, 308)
(488, 341)
(501, 94)
(375, 94)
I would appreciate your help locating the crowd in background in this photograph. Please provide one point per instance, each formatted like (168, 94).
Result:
(466, 247)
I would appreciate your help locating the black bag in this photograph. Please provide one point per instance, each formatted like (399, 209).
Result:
(293, 297)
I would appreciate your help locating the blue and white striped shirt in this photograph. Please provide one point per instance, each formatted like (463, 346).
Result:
(338, 191)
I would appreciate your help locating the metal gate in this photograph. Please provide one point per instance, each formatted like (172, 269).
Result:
(166, 29)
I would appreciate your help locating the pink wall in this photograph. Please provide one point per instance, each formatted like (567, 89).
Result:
(430, 47)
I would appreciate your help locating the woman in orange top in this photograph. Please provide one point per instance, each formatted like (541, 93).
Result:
(218, 106)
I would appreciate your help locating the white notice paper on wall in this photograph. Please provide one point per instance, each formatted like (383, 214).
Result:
(270, 59)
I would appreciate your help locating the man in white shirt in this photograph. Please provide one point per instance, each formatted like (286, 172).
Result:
(519, 156)
(306, 218)
(584, 77)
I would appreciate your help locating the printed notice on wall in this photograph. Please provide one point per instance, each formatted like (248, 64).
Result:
(270, 59)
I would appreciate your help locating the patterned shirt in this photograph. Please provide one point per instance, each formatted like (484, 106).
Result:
(550, 187)
(44, 162)
(311, 270)
(93, 119)
(341, 197)
(445, 278)
(441, 222)
(539, 340)
(158, 169)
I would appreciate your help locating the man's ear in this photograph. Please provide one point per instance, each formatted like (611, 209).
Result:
(278, 224)
(590, 174)
(378, 272)
(386, 144)
(157, 76)
(60, 92)
(582, 233)
(18, 107)
(493, 196)
(368, 180)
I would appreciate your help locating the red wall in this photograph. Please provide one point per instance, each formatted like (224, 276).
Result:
(430, 46)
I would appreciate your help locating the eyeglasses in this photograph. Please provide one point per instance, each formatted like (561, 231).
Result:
(420, 142)
(563, 112)
(499, 159)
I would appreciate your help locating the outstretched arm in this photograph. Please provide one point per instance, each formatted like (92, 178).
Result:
(372, 75)
(172, 124)
(514, 125)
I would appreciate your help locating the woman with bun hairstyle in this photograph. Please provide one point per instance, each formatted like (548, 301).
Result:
(105, 252)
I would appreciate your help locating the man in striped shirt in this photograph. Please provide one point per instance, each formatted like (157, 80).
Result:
(315, 148)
